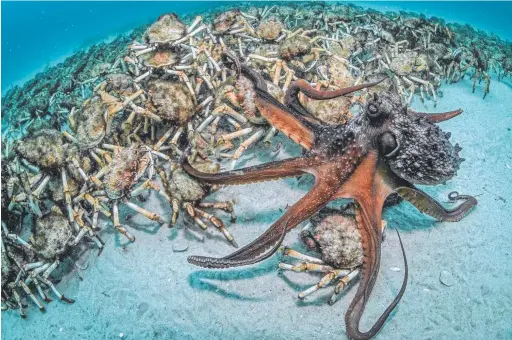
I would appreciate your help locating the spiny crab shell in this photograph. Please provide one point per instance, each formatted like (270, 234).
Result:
(121, 83)
(183, 187)
(172, 100)
(331, 111)
(339, 73)
(407, 62)
(339, 240)
(344, 47)
(90, 128)
(51, 236)
(123, 170)
(270, 29)
(45, 149)
(224, 21)
(167, 28)
(294, 47)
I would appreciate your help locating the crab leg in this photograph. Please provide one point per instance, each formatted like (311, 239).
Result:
(226, 206)
(56, 292)
(18, 301)
(41, 292)
(118, 226)
(342, 284)
(218, 224)
(144, 212)
(324, 281)
(31, 295)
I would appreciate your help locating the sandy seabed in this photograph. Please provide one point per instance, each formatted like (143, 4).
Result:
(145, 290)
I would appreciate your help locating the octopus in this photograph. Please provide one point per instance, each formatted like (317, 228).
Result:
(385, 150)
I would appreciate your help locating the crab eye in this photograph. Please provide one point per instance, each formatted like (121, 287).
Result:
(388, 144)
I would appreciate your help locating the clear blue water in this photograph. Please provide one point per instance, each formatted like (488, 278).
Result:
(36, 34)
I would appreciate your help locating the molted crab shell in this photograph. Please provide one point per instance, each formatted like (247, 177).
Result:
(295, 46)
(225, 20)
(184, 188)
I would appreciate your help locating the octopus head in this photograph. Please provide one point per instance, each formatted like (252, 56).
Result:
(412, 145)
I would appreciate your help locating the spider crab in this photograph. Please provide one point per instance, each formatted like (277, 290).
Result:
(383, 150)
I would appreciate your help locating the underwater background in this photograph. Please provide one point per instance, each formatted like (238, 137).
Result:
(148, 290)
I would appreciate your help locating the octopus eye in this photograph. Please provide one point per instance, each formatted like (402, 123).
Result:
(388, 144)
(373, 111)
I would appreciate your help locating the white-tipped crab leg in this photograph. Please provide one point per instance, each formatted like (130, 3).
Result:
(40, 291)
(117, 225)
(295, 254)
(164, 138)
(145, 113)
(150, 215)
(224, 109)
(247, 143)
(342, 284)
(233, 135)
(277, 73)
(31, 295)
(190, 210)
(270, 134)
(218, 224)
(324, 281)
(197, 20)
(226, 206)
(33, 265)
(20, 241)
(104, 154)
(55, 291)
(18, 301)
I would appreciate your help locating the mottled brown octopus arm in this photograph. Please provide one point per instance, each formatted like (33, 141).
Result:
(431, 207)
(264, 172)
(436, 117)
(301, 85)
(291, 99)
(254, 252)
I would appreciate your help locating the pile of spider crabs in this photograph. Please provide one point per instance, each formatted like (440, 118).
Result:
(173, 107)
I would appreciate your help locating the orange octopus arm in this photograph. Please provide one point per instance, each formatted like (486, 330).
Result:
(319, 196)
(436, 117)
(264, 172)
(328, 179)
(286, 123)
(369, 188)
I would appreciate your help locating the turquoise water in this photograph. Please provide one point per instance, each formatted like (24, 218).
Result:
(148, 290)
(50, 31)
